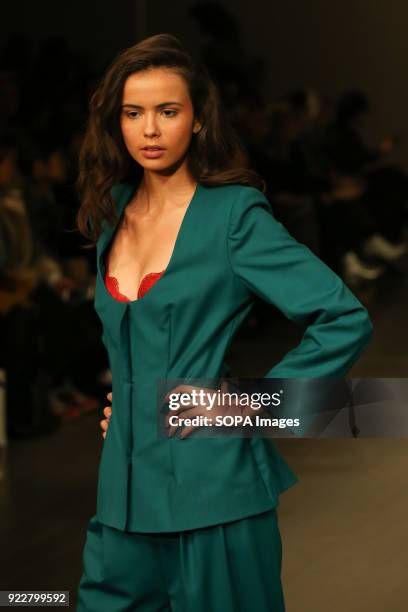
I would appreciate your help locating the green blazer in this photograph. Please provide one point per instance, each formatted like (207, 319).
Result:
(229, 249)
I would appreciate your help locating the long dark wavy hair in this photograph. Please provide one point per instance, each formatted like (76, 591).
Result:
(216, 155)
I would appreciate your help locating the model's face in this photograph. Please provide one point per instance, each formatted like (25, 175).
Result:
(157, 112)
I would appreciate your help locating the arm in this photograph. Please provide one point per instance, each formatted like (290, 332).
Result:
(274, 266)
(283, 272)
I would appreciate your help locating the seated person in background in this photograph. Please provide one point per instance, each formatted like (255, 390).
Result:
(365, 174)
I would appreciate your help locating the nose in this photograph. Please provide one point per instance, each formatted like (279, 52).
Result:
(150, 127)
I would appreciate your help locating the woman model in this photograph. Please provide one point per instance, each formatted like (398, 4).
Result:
(186, 240)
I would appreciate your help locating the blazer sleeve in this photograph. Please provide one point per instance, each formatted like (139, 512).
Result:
(281, 271)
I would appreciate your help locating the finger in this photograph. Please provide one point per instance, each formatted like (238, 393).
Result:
(179, 389)
(104, 434)
(188, 389)
(109, 396)
(188, 414)
(107, 411)
(171, 429)
(173, 390)
(187, 405)
(172, 413)
(104, 424)
(176, 411)
(187, 431)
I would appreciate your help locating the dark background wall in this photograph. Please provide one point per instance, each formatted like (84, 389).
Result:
(326, 45)
(99, 28)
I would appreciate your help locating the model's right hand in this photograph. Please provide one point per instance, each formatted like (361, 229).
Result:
(107, 411)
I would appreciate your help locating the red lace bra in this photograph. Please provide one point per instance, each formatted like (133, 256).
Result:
(147, 282)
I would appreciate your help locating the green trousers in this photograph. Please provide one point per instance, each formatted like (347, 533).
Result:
(230, 567)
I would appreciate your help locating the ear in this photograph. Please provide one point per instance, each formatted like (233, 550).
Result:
(196, 126)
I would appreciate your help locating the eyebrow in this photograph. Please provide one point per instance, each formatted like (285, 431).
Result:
(157, 105)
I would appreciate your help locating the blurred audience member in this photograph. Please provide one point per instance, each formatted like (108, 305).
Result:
(370, 193)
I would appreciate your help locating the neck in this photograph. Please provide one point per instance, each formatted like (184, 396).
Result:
(157, 185)
(157, 192)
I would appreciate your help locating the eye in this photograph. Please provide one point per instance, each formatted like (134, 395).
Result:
(131, 114)
(171, 111)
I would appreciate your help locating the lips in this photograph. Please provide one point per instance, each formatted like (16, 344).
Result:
(152, 152)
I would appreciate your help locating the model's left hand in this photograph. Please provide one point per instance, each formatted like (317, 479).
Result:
(107, 411)
(229, 408)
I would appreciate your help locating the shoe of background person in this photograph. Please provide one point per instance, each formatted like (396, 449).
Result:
(88, 404)
(381, 247)
(69, 403)
(354, 268)
(63, 406)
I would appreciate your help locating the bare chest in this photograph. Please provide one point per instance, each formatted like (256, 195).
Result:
(142, 245)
